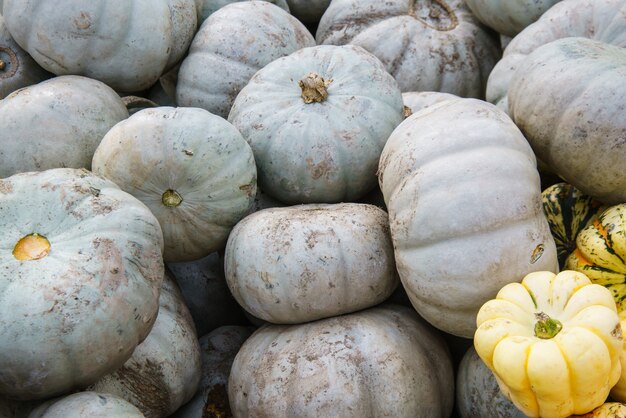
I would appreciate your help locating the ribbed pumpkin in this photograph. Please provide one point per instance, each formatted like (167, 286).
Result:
(553, 99)
(127, 45)
(568, 211)
(425, 45)
(553, 342)
(82, 270)
(231, 45)
(455, 247)
(56, 123)
(317, 121)
(192, 169)
(87, 404)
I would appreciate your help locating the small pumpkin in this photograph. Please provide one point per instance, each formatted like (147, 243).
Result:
(553, 342)
(80, 284)
(317, 121)
(568, 211)
(193, 170)
(87, 404)
(56, 123)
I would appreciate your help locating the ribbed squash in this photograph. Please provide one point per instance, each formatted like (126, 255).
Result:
(568, 211)
(553, 342)
(606, 410)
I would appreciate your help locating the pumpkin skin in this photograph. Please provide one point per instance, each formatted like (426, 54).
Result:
(478, 393)
(306, 262)
(601, 20)
(17, 68)
(87, 404)
(548, 368)
(192, 169)
(454, 254)
(568, 211)
(606, 410)
(127, 45)
(324, 151)
(164, 370)
(219, 349)
(56, 123)
(208, 7)
(383, 361)
(426, 46)
(418, 100)
(77, 313)
(511, 17)
(553, 100)
(232, 44)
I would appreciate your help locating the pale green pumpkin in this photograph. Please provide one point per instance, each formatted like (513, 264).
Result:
(317, 120)
(80, 284)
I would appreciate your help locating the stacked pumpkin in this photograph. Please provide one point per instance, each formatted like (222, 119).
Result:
(311, 185)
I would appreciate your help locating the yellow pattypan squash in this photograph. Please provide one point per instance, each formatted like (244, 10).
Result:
(553, 343)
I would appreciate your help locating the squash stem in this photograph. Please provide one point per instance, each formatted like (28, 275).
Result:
(171, 198)
(313, 88)
(3, 65)
(31, 247)
(546, 327)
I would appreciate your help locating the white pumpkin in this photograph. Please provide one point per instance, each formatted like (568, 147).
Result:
(87, 404)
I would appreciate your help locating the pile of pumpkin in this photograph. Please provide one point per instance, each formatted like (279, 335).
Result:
(298, 208)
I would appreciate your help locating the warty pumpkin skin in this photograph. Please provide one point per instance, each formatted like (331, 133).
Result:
(87, 404)
(601, 20)
(80, 279)
(193, 170)
(317, 121)
(127, 45)
(553, 342)
(306, 262)
(17, 68)
(231, 45)
(425, 45)
(455, 248)
(164, 371)
(383, 361)
(56, 123)
(553, 99)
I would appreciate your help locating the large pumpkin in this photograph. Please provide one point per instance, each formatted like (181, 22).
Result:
(192, 169)
(568, 100)
(82, 269)
(56, 123)
(601, 20)
(464, 201)
(384, 361)
(317, 121)
(231, 45)
(127, 45)
(87, 404)
(306, 262)
(553, 342)
(426, 45)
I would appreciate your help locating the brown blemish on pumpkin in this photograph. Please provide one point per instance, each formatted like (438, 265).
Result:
(249, 189)
(82, 21)
(6, 187)
(322, 169)
(13, 63)
(148, 385)
(216, 403)
(617, 332)
(435, 14)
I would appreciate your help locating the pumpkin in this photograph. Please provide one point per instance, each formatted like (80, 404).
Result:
(601, 20)
(418, 100)
(203, 286)
(317, 121)
(127, 45)
(87, 404)
(308, 11)
(219, 348)
(56, 123)
(164, 370)
(568, 211)
(208, 7)
(455, 248)
(607, 410)
(553, 342)
(82, 269)
(17, 68)
(478, 393)
(553, 99)
(192, 169)
(306, 262)
(511, 17)
(383, 361)
(618, 392)
(230, 46)
(426, 45)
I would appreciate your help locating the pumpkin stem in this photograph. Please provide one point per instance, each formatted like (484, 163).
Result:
(546, 327)
(3, 65)
(31, 247)
(171, 198)
(8, 62)
(313, 88)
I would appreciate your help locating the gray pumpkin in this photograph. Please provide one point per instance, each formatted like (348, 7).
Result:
(87, 404)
